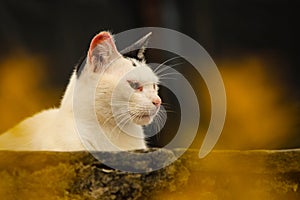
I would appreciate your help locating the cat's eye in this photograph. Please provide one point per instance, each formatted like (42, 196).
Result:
(136, 85)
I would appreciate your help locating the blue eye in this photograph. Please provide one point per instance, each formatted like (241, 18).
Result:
(135, 85)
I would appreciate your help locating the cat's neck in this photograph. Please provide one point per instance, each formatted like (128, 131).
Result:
(67, 101)
(83, 88)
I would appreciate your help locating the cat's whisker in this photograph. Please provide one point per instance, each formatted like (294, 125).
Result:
(122, 127)
(158, 124)
(166, 105)
(167, 78)
(118, 100)
(104, 123)
(170, 111)
(121, 115)
(162, 69)
(167, 67)
(155, 70)
(114, 116)
(119, 118)
(168, 74)
(113, 104)
(161, 115)
(118, 124)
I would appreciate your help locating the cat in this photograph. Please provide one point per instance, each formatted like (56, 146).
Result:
(124, 95)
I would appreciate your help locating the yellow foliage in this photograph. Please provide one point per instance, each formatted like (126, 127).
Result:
(259, 113)
(22, 88)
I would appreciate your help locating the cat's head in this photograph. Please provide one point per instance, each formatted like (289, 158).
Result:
(126, 87)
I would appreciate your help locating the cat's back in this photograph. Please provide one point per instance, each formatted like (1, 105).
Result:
(28, 133)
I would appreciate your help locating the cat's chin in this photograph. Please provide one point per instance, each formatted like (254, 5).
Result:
(143, 120)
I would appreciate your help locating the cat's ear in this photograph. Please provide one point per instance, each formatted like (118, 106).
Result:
(102, 51)
(137, 49)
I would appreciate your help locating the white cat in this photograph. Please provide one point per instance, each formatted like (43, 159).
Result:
(124, 98)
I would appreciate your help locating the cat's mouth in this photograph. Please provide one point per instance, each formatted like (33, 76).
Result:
(143, 118)
(145, 114)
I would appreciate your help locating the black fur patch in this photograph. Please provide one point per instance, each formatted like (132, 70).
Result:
(80, 66)
(133, 54)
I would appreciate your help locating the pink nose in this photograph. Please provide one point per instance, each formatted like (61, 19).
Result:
(156, 101)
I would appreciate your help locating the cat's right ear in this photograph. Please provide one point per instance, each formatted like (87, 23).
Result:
(102, 51)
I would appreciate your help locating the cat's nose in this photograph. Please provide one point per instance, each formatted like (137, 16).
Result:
(156, 101)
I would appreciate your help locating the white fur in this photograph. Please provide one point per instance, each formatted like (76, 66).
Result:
(107, 78)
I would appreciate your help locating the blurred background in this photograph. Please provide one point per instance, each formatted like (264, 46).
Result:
(253, 42)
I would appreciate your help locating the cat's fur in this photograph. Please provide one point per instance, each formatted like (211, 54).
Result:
(120, 93)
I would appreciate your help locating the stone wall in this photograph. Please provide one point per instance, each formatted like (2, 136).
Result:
(221, 175)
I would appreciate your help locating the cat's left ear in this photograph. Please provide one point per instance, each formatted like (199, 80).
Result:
(102, 51)
(137, 49)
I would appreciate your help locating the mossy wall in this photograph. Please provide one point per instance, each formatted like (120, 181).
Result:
(221, 175)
